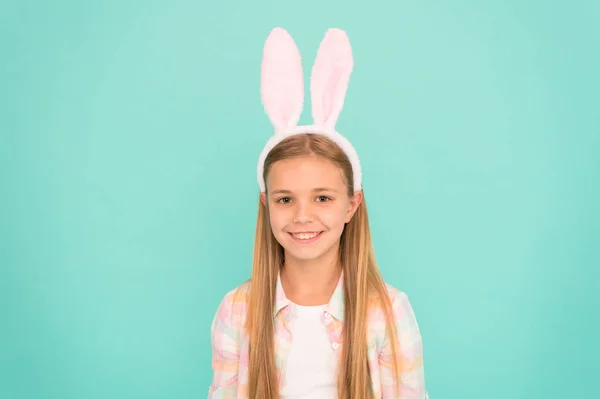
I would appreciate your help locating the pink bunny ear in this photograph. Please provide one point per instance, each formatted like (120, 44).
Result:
(330, 77)
(282, 80)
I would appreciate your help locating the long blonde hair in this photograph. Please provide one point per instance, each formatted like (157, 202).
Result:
(362, 281)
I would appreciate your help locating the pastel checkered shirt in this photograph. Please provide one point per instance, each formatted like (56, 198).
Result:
(230, 344)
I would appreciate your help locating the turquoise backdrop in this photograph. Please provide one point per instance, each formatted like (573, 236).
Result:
(130, 132)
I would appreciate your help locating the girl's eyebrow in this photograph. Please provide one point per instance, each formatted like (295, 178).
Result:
(321, 189)
(280, 192)
(314, 190)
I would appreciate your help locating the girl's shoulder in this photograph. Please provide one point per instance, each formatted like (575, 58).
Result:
(237, 297)
(393, 293)
(398, 300)
(234, 305)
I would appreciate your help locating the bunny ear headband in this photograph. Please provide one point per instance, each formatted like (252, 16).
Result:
(282, 90)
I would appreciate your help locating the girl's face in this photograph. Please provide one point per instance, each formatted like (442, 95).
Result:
(309, 206)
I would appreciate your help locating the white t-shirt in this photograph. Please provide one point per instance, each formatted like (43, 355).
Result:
(310, 369)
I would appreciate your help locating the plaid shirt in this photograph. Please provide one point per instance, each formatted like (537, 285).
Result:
(230, 344)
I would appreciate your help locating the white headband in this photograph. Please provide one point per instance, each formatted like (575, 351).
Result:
(282, 90)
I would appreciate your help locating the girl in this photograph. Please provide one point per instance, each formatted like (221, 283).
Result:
(316, 320)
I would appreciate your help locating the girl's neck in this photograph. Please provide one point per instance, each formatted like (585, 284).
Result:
(310, 283)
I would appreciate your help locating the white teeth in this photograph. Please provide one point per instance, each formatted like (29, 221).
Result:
(305, 236)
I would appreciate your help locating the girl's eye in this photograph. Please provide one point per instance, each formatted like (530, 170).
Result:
(287, 200)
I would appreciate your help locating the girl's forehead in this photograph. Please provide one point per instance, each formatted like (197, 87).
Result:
(306, 161)
(306, 173)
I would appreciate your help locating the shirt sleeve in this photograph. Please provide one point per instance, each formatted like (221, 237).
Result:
(225, 351)
(411, 383)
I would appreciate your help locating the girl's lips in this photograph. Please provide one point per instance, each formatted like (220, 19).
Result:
(306, 241)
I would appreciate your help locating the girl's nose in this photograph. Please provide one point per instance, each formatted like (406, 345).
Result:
(303, 214)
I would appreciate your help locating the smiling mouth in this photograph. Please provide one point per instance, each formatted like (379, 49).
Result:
(307, 237)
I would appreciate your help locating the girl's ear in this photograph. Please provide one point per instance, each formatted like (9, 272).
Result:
(355, 201)
(263, 198)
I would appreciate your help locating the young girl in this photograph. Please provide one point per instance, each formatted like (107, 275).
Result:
(316, 320)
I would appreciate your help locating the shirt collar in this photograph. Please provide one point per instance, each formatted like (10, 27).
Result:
(335, 306)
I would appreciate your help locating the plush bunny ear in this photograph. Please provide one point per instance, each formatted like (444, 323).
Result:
(330, 77)
(282, 80)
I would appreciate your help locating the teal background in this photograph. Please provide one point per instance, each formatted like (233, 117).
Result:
(130, 132)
